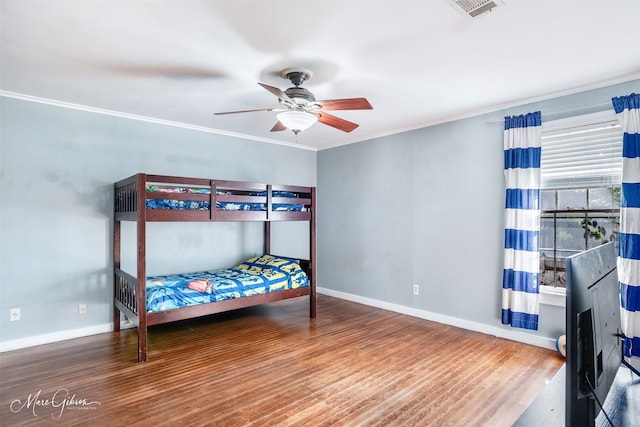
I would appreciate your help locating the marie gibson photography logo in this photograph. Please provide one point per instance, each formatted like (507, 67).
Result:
(61, 400)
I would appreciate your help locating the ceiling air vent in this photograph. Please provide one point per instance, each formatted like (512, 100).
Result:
(473, 8)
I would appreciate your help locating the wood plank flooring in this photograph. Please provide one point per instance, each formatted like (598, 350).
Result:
(353, 365)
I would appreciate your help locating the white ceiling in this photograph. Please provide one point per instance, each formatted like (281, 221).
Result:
(418, 62)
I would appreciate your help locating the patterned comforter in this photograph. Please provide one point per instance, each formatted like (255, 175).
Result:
(206, 205)
(258, 275)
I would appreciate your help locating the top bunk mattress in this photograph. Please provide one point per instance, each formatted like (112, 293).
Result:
(166, 198)
(169, 203)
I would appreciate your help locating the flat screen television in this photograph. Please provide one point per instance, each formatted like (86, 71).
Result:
(594, 344)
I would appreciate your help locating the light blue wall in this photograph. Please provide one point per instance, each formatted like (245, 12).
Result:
(426, 207)
(418, 207)
(57, 171)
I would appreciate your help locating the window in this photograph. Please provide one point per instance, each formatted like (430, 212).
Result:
(581, 170)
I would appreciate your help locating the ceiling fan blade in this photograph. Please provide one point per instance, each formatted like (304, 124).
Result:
(243, 111)
(337, 122)
(345, 104)
(278, 127)
(277, 92)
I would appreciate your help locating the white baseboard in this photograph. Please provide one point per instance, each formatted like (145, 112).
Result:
(422, 314)
(510, 334)
(60, 336)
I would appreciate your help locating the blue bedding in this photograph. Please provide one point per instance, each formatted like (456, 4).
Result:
(258, 275)
(227, 206)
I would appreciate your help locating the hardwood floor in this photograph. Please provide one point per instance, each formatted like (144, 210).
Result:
(272, 365)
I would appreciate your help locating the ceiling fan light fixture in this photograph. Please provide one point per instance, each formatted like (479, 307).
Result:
(297, 121)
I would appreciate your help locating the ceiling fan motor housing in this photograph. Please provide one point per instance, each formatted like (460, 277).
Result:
(300, 95)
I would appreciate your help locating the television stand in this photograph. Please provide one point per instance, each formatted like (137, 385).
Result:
(548, 407)
(622, 403)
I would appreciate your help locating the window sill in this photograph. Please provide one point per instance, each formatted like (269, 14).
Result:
(553, 296)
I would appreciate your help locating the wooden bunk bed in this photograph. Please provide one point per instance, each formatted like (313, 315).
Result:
(146, 198)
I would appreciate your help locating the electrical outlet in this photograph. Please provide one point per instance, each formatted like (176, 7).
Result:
(14, 314)
(416, 289)
(82, 308)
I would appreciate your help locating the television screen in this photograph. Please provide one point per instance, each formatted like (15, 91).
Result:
(594, 346)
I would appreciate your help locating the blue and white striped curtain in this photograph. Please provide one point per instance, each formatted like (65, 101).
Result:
(520, 290)
(627, 109)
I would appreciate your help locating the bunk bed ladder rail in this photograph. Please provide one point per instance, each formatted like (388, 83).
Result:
(141, 294)
(312, 255)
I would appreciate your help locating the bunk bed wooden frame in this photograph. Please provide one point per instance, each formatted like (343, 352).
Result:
(130, 197)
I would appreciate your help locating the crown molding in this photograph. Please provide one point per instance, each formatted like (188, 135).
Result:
(86, 108)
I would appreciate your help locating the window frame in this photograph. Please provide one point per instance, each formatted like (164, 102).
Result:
(550, 295)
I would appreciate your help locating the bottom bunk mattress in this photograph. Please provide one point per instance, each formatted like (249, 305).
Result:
(258, 275)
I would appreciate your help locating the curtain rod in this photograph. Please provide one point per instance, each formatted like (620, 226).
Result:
(555, 113)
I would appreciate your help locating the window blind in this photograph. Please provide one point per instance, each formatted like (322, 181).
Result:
(582, 151)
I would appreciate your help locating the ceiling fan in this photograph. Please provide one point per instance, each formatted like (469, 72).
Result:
(299, 109)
